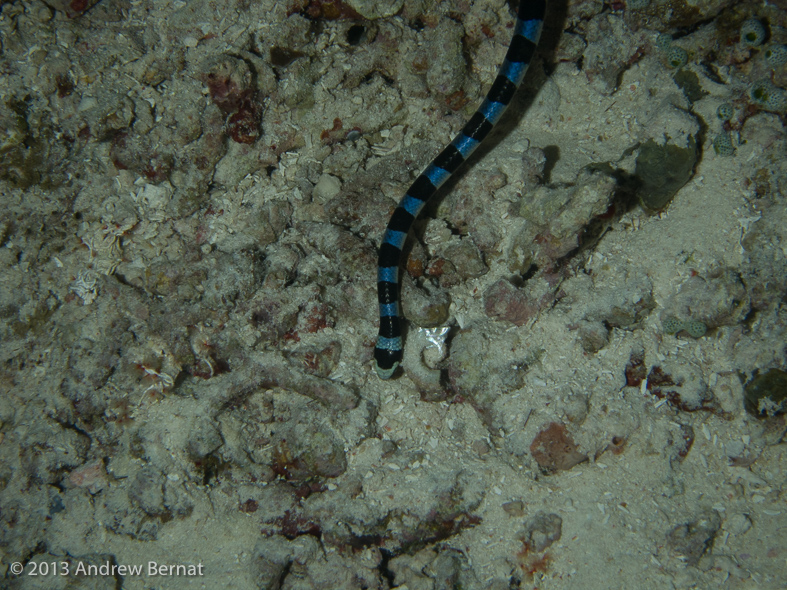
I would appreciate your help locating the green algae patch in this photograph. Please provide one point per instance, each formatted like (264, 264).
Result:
(662, 170)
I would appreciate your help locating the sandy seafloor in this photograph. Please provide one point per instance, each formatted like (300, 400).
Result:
(192, 196)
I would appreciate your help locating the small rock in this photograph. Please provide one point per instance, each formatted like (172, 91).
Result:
(319, 361)
(682, 385)
(481, 447)
(690, 541)
(326, 188)
(610, 47)
(466, 258)
(766, 394)
(204, 438)
(73, 9)
(505, 302)
(147, 491)
(446, 569)
(592, 335)
(663, 170)
(514, 508)
(90, 475)
(554, 450)
(274, 317)
(541, 531)
(426, 307)
(477, 370)
(574, 406)
(445, 63)
(737, 524)
(718, 300)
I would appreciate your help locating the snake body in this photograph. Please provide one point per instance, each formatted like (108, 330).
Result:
(530, 18)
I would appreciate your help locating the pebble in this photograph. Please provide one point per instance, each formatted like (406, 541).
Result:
(374, 9)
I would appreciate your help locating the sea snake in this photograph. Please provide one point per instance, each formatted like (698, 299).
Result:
(388, 351)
